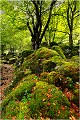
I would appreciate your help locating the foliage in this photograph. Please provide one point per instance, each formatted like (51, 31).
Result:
(14, 30)
(13, 26)
(46, 81)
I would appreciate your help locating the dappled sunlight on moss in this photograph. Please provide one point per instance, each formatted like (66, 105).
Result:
(70, 69)
(47, 101)
(39, 88)
(36, 62)
(59, 51)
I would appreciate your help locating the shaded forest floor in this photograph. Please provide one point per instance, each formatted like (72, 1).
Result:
(7, 76)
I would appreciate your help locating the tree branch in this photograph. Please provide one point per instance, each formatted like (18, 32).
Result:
(76, 16)
(46, 26)
(37, 9)
(59, 15)
(29, 28)
(68, 15)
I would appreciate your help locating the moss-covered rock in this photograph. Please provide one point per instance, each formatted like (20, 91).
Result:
(48, 65)
(59, 51)
(18, 93)
(33, 98)
(49, 101)
(57, 79)
(76, 96)
(25, 53)
(36, 61)
(69, 69)
(75, 58)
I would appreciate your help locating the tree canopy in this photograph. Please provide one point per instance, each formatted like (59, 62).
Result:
(26, 23)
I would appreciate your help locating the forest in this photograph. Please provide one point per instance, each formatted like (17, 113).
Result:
(39, 59)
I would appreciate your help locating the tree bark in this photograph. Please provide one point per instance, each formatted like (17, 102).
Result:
(37, 33)
(70, 40)
(70, 18)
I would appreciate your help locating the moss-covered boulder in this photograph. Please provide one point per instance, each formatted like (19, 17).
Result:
(25, 53)
(18, 93)
(48, 101)
(76, 96)
(36, 62)
(57, 79)
(69, 69)
(75, 58)
(59, 51)
(33, 98)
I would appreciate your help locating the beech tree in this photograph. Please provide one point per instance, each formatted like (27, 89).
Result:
(35, 21)
(72, 13)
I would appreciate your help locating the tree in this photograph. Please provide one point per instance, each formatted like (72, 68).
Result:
(68, 22)
(72, 13)
(13, 26)
(35, 26)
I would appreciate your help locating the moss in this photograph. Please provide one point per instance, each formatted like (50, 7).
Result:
(18, 92)
(69, 69)
(15, 81)
(76, 96)
(23, 111)
(47, 101)
(44, 75)
(59, 51)
(35, 62)
(75, 58)
(57, 79)
(25, 53)
(48, 65)
(11, 109)
(34, 99)
(18, 76)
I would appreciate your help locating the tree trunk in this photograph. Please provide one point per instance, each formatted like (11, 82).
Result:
(33, 45)
(37, 44)
(36, 31)
(70, 40)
